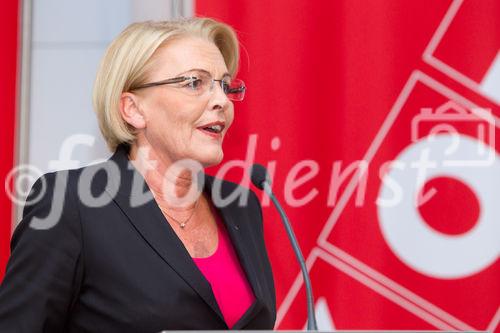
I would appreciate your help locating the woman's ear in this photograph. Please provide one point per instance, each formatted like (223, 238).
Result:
(130, 110)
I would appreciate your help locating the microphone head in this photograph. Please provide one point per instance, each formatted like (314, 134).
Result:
(259, 175)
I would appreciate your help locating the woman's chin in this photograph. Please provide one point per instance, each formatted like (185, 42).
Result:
(210, 157)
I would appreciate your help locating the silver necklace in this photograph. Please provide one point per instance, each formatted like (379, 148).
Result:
(182, 224)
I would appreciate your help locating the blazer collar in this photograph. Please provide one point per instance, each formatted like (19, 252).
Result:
(151, 224)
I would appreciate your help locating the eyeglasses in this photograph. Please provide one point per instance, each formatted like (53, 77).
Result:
(200, 84)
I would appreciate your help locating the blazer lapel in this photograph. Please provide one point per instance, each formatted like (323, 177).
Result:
(149, 221)
(243, 242)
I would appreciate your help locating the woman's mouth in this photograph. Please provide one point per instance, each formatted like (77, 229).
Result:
(214, 130)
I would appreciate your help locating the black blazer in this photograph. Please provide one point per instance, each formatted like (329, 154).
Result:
(119, 268)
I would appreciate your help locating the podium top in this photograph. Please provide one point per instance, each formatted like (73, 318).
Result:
(341, 331)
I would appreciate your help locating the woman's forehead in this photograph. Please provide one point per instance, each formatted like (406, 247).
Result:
(187, 54)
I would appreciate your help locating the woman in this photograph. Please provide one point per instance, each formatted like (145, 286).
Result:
(141, 243)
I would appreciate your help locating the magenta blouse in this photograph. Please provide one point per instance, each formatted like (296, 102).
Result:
(223, 271)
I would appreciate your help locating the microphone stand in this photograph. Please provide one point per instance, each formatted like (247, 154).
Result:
(311, 317)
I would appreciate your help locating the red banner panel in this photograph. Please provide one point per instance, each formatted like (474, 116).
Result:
(9, 24)
(379, 122)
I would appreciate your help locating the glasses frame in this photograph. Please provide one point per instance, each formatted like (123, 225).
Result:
(180, 79)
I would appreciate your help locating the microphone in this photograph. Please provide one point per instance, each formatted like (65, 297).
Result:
(260, 178)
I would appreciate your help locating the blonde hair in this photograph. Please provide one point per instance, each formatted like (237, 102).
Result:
(128, 59)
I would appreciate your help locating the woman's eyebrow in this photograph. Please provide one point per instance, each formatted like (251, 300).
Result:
(202, 71)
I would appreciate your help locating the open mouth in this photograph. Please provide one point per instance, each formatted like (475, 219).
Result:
(213, 129)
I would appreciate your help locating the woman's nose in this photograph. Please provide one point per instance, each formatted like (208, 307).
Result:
(218, 97)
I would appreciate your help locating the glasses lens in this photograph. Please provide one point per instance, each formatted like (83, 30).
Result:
(235, 90)
(197, 85)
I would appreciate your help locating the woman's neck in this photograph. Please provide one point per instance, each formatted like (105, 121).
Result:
(171, 183)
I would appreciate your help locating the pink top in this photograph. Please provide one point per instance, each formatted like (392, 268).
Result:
(228, 280)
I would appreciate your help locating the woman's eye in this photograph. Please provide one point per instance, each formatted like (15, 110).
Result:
(226, 86)
(194, 84)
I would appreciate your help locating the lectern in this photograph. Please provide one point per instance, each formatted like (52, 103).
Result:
(341, 331)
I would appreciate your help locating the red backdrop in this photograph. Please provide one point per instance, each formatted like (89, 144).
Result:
(8, 70)
(340, 81)
(343, 81)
